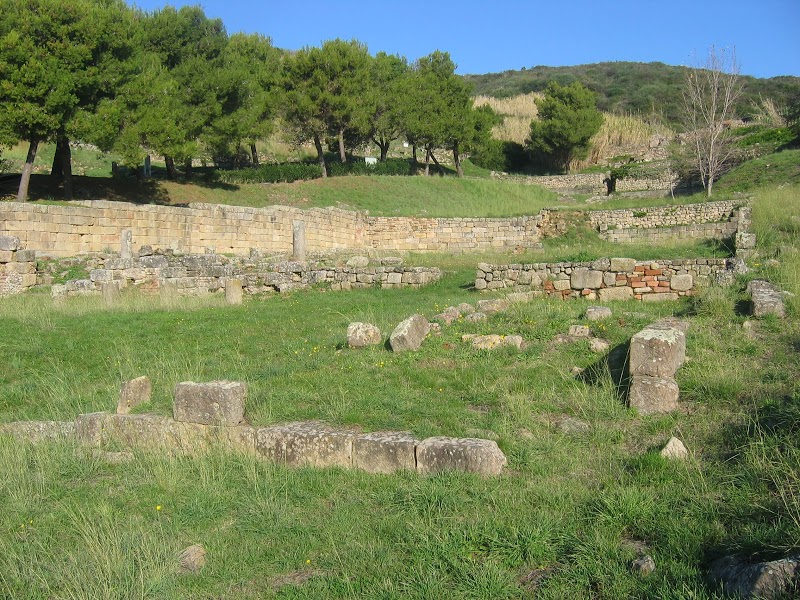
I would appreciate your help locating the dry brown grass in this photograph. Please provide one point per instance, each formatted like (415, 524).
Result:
(517, 113)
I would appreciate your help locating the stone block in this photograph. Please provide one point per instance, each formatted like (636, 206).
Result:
(213, 403)
(89, 428)
(766, 299)
(674, 450)
(233, 291)
(153, 261)
(361, 335)
(384, 452)
(25, 256)
(743, 577)
(579, 331)
(660, 297)
(305, 444)
(622, 265)
(653, 395)
(583, 278)
(489, 307)
(561, 284)
(681, 283)
(133, 393)
(6, 256)
(409, 334)
(9, 243)
(358, 262)
(469, 455)
(745, 241)
(657, 352)
(598, 313)
(38, 431)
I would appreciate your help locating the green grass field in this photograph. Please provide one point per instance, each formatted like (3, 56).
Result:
(564, 521)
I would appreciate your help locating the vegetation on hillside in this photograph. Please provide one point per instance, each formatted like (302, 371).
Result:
(651, 90)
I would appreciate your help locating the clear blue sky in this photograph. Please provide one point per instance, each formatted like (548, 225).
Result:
(489, 36)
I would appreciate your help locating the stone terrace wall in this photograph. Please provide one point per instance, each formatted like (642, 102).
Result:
(96, 226)
(17, 266)
(607, 279)
(591, 182)
(665, 216)
(208, 273)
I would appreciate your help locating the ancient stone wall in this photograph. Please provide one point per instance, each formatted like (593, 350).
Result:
(97, 226)
(208, 273)
(607, 278)
(665, 216)
(593, 183)
(17, 266)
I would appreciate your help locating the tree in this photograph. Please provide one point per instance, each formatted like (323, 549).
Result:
(384, 97)
(568, 118)
(709, 95)
(57, 61)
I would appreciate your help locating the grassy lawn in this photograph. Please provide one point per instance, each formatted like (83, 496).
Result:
(564, 521)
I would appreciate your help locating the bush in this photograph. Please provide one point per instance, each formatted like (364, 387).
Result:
(288, 172)
(499, 155)
(776, 136)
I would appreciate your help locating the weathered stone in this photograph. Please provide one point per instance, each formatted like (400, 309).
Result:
(361, 335)
(583, 278)
(489, 307)
(470, 455)
(493, 341)
(213, 403)
(153, 261)
(312, 444)
(598, 345)
(681, 325)
(409, 334)
(233, 291)
(299, 241)
(465, 308)
(25, 256)
(766, 299)
(485, 267)
(681, 283)
(745, 241)
(358, 262)
(561, 284)
(6, 256)
(110, 290)
(133, 393)
(581, 331)
(622, 265)
(192, 559)
(573, 425)
(659, 297)
(675, 450)
(764, 580)
(9, 243)
(146, 250)
(651, 395)
(597, 313)
(126, 244)
(615, 293)
(38, 431)
(657, 352)
(392, 261)
(643, 566)
(480, 284)
(384, 452)
(476, 317)
(89, 428)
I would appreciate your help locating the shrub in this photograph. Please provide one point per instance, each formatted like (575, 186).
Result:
(777, 136)
(281, 173)
(500, 155)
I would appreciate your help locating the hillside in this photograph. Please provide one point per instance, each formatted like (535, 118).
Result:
(625, 87)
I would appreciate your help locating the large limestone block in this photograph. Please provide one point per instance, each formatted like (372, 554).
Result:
(233, 291)
(681, 283)
(361, 335)
(90, 427)
(653, 395)
(583, 278)
(598, 313)
(213, 403)
(155, 432)
(615, 293)
(660, 297)
(384, 452)
(470, 455)
(133, 393)
(742, 578)
(766, 299)
(38, 431)
(657, 352)
(496, 305)
(409, 334)
(622, 265)
(305, 444)
(9, 243)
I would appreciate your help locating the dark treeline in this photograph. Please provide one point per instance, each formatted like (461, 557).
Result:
(631, 87)
(175, 84)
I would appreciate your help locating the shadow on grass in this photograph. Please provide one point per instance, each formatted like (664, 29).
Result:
(47, 188)
(614, 366)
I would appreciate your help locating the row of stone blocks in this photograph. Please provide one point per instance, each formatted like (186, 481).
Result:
(655, 355)
(210, 415)
(17, 266)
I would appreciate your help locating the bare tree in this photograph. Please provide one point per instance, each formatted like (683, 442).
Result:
(709, 95)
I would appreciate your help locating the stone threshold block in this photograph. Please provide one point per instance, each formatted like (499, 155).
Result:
(305, 444)
(766, 299)
(38, 431)
(214, 403)
(384, 452)
(468, 455)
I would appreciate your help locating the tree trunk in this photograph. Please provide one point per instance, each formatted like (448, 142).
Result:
(427, 162)
(320, 156)
(254, 154)
(414, 162)
(172, 173)
(27, 169)
(342, 153)
(383, 144)
(57, 169)
(66, 166)
(457, 160)
(187, 168)
(436, 162)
